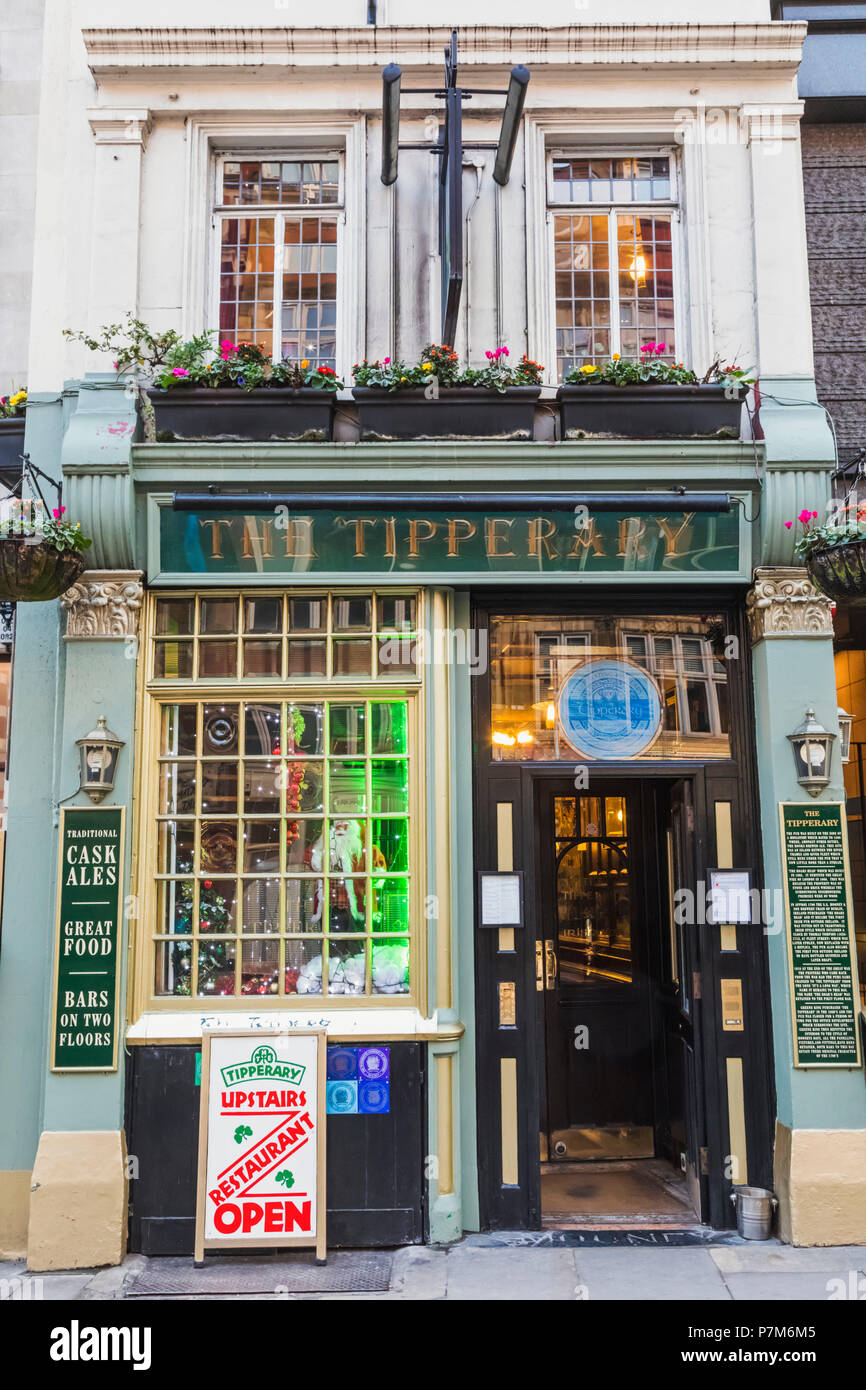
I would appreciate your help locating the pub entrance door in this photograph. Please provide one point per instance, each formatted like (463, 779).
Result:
(617, 1087)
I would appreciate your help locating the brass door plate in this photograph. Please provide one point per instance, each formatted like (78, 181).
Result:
(507, 1004)
(732, 1006)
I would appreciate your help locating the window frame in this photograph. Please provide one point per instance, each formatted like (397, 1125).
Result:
(154, 695)
(220, 212)
(671, 206)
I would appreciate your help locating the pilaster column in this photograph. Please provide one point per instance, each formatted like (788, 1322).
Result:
(800, 454)
(820, 1152)
(79, 1189)
(120, 135)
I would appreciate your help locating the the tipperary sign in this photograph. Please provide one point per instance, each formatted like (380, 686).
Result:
(821, 949)
(285, 540)
(261, 1174)
(86, 964)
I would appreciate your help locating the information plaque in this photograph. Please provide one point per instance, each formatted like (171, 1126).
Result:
(820, 924)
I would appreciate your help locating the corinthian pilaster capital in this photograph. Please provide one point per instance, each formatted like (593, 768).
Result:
(104, 605)
(785, 603)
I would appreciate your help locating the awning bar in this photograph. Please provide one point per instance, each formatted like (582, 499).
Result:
(216, 500)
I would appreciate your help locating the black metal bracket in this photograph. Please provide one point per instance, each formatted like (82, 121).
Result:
(450, 150)
(31, 472)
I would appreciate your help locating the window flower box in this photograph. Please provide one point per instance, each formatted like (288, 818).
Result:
(456, 413)
(233, 413)
(11, 449)
(648, 412)
(435, 399)
(651, 399)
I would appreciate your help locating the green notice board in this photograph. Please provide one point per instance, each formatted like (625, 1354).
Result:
(820, 921)
(86, 966)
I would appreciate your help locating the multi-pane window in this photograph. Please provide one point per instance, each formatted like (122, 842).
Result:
(286, 636)
(692, 680)
(613, 258)
(532, 656)
(283, 826)
(278, 222)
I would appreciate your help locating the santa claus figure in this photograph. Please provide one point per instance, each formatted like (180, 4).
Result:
(345, 856)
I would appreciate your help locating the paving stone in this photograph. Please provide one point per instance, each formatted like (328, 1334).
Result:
(475, 1273)
(769, 1257)
(419, 1273)
(624, 1273)
(813, 1285)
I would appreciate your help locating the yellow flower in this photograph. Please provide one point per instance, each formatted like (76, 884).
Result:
(305, 364)
(587, 371)
(426, 366)
(402, 378)
(18, 398)
(615, 357)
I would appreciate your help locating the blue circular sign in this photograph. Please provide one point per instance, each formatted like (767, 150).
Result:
(610, 709)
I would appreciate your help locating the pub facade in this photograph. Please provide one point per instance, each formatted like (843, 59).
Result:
(467, 743)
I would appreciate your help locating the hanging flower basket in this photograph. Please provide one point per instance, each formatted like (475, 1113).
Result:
(34, 573)
(840, 570)
(40, 558)
(834, 552)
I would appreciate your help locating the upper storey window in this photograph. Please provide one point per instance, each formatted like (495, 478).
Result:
(279, 223)
(613, 257)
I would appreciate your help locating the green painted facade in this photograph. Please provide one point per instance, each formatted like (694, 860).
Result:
(114, 485)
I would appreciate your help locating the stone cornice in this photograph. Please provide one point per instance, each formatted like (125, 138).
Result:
(785, 603)
(605, 464)
(774, 45)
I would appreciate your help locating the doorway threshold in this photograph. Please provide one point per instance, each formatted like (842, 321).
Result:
(610, 1195)
(570, 1239)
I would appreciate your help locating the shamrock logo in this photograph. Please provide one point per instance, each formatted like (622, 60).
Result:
(286, 1177)
(243, 1132)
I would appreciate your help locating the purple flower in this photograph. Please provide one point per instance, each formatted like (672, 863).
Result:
(179, 371)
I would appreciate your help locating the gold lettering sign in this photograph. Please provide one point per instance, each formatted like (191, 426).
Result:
(494, 537)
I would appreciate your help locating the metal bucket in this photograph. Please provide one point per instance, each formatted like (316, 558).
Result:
(755, 1206)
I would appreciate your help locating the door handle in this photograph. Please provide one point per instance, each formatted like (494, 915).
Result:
(549, 965)
(539, 966)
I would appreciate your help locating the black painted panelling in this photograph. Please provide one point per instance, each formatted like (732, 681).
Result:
(375, 1163)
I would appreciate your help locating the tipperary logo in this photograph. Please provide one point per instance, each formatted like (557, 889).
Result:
(263, 1065)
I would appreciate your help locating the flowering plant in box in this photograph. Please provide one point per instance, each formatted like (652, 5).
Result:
(652, 370)
(440, 363)
(13, 405)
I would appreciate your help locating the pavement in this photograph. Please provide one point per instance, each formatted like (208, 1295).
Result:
(484, 1268)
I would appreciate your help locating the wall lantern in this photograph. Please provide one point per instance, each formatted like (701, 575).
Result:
(813, 747)
(845, 722)
(99, 751)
